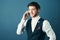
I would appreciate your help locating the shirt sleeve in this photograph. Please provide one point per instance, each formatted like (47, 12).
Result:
(21, 25)
(48, 30)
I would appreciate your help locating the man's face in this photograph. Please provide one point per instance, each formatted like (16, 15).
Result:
(33, 11)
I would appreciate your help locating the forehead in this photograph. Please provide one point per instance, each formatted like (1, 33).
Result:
(32, 7)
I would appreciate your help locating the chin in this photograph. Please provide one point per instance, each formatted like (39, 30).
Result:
(32, 16)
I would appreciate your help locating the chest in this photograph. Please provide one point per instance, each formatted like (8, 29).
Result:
(33, 24)
(37, 26)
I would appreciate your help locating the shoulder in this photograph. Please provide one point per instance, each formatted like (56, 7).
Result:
(46, 25)
(26, 22)
(46, 22)
(29, 20)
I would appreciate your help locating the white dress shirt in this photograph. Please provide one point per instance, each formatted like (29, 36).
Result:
(46, 27)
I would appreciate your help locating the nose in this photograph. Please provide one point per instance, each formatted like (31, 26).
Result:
(30, 11)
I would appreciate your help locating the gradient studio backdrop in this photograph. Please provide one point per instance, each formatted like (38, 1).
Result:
(11, 12)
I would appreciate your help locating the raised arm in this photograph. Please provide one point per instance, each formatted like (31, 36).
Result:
(22, 24)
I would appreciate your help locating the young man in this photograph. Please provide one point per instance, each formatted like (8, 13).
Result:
(36, 27)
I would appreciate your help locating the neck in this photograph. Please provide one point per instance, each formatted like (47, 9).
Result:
(36, 17)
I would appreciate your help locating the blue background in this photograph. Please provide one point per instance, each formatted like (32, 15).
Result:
(11, 12)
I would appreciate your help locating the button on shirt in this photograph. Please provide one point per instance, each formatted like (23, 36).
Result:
(45, 28)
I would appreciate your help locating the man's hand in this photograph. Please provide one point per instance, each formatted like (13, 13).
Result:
(25, 16)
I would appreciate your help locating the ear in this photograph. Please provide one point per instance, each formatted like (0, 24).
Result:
(38, 11)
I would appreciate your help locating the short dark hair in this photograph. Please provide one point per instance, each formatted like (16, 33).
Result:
(34, 4)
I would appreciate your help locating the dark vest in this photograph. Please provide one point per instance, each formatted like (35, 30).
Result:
(38, 34)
